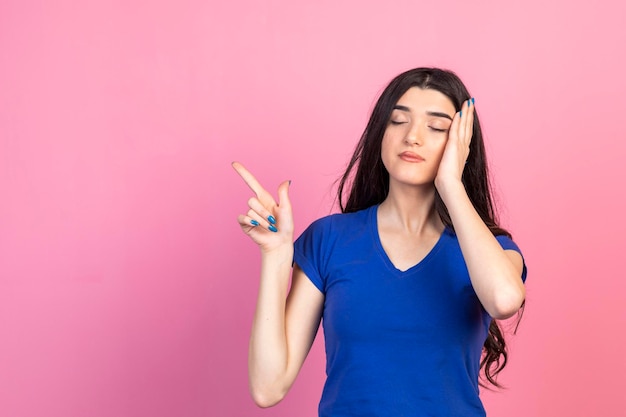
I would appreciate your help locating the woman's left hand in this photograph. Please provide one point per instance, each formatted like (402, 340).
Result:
(457, 148)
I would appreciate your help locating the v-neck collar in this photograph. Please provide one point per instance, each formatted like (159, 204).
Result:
(373, 221)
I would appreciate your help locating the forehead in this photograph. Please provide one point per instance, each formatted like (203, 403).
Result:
(419, 100)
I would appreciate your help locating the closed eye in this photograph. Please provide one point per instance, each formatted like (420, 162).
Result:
(438, 130)
(394, 122)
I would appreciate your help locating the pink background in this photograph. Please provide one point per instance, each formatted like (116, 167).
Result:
(126, 287)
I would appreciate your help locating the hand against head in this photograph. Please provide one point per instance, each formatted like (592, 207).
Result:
(270, 225)
(457, 148)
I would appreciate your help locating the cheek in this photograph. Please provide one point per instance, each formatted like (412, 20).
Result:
(439, 144)
(438, 149)
(385, 150)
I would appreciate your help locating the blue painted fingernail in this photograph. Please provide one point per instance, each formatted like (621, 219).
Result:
(271, 219)
(473, 100)
(461, 113)
(254, 222)
(273, 229)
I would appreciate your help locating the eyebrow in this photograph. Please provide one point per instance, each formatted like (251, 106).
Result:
(428, 113)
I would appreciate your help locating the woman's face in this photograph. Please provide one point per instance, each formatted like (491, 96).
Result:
(416, 136)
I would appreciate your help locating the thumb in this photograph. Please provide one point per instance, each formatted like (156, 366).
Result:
(283, 195)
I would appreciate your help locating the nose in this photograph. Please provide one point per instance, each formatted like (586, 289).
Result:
(413, 136)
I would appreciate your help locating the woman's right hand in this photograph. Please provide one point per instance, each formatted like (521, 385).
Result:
(269, 224)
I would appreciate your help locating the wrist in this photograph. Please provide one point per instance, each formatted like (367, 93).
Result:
(449, 188)
(284, 251)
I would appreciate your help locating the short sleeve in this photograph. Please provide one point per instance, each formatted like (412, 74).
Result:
(508, 244)
(309, 252)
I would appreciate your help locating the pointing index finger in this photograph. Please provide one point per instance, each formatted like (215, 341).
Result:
(249, 179)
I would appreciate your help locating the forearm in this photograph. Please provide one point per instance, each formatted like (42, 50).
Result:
(495, 277)
(268, 354)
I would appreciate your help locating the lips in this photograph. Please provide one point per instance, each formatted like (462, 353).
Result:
(411, 157)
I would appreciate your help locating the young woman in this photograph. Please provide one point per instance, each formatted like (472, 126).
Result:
(409, 278)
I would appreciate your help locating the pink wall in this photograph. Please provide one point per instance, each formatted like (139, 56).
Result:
(126, 287)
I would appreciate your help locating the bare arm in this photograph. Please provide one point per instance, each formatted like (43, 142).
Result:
(284, 326)
(495, 273)
(282, 334)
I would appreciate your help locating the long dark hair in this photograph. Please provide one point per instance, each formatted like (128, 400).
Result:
(369, 185)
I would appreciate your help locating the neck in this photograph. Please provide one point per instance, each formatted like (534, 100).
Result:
(411, 208)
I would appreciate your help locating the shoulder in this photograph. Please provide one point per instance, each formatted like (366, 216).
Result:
(338, 222)
(516, 255)
(331, 240)
(335, 228)
(507, 243)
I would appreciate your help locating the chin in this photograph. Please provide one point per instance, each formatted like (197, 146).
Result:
(415, 182)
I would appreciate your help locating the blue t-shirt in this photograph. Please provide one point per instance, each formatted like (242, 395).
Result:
(398, 343)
